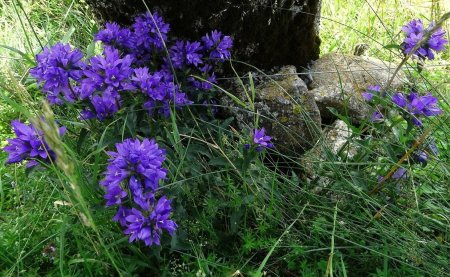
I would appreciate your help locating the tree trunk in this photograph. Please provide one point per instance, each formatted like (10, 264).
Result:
(266, 33)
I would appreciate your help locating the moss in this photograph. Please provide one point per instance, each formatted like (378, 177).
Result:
(283, 119)
(296, 109)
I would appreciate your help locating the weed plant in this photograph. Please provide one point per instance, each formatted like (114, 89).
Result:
(240, 212)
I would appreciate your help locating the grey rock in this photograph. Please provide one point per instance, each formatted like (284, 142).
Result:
(339, 80)
(286, 109)
(335, 145)
(336, 138)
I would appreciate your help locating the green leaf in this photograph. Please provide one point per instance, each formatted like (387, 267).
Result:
(81, 139)
(236, 218)
(252, 87)
(17, 51)
(392, 46)
(219, 161)
(194, 149)
(90, 51)
(68, 35)
(131, 122)
(235, 99)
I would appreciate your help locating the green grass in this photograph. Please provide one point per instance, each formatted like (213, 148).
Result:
(264, 219)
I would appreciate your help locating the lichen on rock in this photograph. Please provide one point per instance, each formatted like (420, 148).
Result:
(339, 80)
(285, 108)
(335, 144)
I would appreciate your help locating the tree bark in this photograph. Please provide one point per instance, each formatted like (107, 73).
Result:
(266, 33)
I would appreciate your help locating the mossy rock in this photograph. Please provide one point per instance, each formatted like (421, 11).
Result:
(339, 80)
(285, 108)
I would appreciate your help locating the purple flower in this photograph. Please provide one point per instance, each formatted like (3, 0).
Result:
(415, 31)
(141, 160)
(218, 46)
(421, 156)
(114, 35)
(131, 181)
(150, 31)
(417, 105)
(160, 89)
(114, 195)
(120, 216)
(176, 99)
(370, 93)
(186, 53)
(150, 84)
(400, 100)
(376, 117)
(107, 71)
(86, 114)
(425, 105)
(56, 68)
(29, 144)
(400, 173)
(149, 227)
(200, 85)
(261, 140)
(106, 76)
(105, 105)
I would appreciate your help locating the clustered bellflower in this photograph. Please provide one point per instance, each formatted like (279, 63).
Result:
(417, 105)
(186, 53)
(160, 89)
(150, 31)
(415, 31)
(58, 67)
(133, 59)
(107, 76)
(132, 66)
(260, 140)
(131, 182)
(116, 36)
(218, 45)
(29, 145)
(421, 156)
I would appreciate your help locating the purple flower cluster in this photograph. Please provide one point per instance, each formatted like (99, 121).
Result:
(57, 67)
(415, 31)
(260, 140)
(186, 53)
(376, 117)
(106, 76)
(417, 106)
(413, 104)
(160, 89)
(133, 60)
(132, 181)
(368, 95)
(150, 31)
(218, 45)
(115, 36)
(29, 145)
